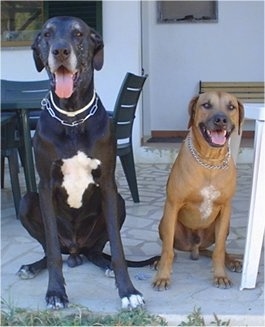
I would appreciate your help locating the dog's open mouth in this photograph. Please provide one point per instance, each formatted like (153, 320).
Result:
(64, 82)
(217, 137)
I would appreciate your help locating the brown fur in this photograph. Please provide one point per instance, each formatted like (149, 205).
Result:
(192, 221)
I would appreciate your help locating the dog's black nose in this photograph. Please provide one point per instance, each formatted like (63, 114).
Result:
(61, 51)
(220, 119)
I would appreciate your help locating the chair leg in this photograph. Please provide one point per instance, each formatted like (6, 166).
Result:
(128, 166)
(2, 172)
(14, 171)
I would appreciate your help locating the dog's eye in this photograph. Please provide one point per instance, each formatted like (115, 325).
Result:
(207, 105)
(231, 107)
(78, 34)
(47, 34)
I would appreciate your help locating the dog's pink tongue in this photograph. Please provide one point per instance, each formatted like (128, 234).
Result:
(218, 138)
(63, 83)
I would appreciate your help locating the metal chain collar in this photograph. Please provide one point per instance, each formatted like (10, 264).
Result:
(196, 156)
(45, 104)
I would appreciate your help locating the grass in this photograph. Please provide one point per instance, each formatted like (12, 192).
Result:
(196, 319)
(81, 316)
(76, 316)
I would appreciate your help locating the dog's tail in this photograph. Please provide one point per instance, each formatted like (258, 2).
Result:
(136, 264)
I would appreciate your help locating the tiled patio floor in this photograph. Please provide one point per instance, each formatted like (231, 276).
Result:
(191, 280)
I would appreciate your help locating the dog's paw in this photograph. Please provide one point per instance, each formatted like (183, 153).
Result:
(26, 272)
(56, 302)
(109, 273)
(235, 266)
(161, 284)
(155, 265)
(222, 282)
(132, 302)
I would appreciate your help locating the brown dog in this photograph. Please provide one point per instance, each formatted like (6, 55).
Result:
(200, 188)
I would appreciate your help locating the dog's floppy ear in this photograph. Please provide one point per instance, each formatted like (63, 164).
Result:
(98, 52)
(192, 106)
(241, 115)
(36, 53)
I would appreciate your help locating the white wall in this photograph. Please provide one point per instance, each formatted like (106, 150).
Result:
(177, 56)
(17, 64)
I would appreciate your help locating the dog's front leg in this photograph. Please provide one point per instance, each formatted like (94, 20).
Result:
(130, 297)
(56, 297)
(166, 231)
(221, 231)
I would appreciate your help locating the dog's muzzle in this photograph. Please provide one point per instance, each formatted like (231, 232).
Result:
(62, 65)
(217, 130)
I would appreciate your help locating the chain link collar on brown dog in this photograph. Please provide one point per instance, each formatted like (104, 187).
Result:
(196, 156)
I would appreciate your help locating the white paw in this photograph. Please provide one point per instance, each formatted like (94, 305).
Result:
(109, 273)
(132, 302)
(25, 273)
(55, 304)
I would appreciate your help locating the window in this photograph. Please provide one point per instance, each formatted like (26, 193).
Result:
(21, 20)
(186, 11)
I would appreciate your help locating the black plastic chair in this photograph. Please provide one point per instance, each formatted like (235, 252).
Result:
(123, 118)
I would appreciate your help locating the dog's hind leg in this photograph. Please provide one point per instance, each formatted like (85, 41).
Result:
(29, 271)
(30, 217)
(94, 253)
(99, 259)
(233, 262)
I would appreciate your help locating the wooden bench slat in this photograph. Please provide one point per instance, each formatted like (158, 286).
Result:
(248, 84)
(245, 91)
(235, 89)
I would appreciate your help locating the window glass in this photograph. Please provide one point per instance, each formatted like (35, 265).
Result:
(20, 21)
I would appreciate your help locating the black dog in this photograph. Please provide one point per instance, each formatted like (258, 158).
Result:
(78, 208)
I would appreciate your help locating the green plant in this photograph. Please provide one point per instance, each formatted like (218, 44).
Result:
(75, 316)
(196, 319)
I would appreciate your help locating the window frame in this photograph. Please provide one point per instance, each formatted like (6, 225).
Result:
(43, 17)
(211, 7)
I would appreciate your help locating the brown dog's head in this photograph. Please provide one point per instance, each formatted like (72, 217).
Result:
(215, 115)
(69, 50)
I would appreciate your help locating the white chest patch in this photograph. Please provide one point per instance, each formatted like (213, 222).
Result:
(77, 172)
(209, 194)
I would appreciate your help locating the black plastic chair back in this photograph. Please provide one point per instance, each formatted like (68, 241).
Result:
(125, 107)
(123, 118)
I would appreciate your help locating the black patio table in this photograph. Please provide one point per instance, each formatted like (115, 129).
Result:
(24, 97)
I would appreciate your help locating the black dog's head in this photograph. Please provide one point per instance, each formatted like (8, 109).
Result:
(70, 51)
